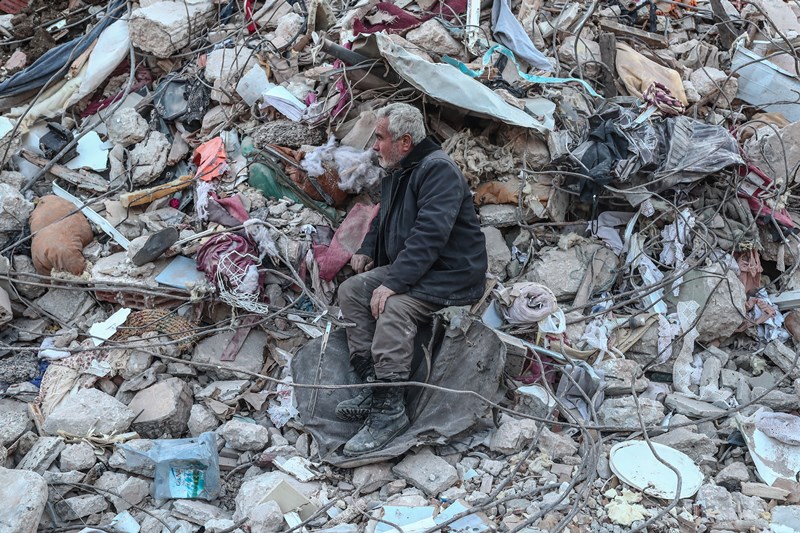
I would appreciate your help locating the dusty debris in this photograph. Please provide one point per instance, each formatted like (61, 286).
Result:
(195, 166)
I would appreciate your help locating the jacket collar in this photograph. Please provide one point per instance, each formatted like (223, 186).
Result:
(426, 147)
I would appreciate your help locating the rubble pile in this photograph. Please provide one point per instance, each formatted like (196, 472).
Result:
(184, 183)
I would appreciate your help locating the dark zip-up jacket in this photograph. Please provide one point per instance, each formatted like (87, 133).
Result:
(428, 232)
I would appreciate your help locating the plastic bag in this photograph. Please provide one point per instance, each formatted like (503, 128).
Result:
(185, 468)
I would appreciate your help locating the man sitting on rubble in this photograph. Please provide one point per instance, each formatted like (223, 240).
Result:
(424, 251)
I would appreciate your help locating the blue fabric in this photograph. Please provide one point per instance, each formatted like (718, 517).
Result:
(510, 55)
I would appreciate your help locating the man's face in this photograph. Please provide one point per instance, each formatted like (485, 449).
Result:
(390, 152)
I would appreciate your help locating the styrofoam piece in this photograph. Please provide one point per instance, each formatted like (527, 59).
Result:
(634, 464)
(773, 459)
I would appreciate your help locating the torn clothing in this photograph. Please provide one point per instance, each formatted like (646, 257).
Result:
(390, 339)
(427, 231)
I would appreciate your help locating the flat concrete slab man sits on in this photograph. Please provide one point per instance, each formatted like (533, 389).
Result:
(424, 251)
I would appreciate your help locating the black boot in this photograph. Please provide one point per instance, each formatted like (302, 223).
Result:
(357, 408)
(387, 419)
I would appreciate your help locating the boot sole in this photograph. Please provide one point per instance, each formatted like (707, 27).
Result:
(352, 415)
(382, 446)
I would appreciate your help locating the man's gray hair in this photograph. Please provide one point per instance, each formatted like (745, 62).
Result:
(404, 118)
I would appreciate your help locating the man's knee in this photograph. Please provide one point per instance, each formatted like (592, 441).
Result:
(403, 307)
(347, 290)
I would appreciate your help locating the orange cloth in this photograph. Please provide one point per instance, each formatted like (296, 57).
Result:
(495, 192)
(211, 159)
(57, 244)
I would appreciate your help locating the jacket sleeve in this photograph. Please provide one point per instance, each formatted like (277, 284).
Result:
(370, 239)
(439, 199)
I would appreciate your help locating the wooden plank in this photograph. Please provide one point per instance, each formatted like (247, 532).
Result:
(82, 179)
(653, 39)
(608, 56)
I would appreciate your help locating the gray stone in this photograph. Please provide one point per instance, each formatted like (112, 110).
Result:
(709, 80)
(13, 420)
(497, 251)
(776, 400)
(123, 491)
(691, 407)
(735, 473)
(201, 420)
(783, 357)
(163, 28)
(716, 502)
(162, 408)
(15, 179)
(562, 270)
(224, 391)
(77, 457)
(721, 299)
(126, 127)
(512, 435)
(41, 456)
(14, 209)
(266, 518)
(23, 265)
(89, 411)
(140, 381)
(198, 512)
(372, 477)
(622, 412)
(241, 435)
(149, 158)
(24, 496)
(503, 215)
(249, 358)
(696, 445)
(555, 445)
(492, 467)
(81, 506)
(432, 37)
(54, 480)
(64, 305)
(752, 509)
(618, 376)
(253, 491)
(218, 525)
(426, 471)
(645, 350)
(118, 460)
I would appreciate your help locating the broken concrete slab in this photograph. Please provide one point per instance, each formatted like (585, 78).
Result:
(124, 492)
(13, 420)
(64, 305)
(497, 251)
(372, 477)
(77, 457)
(201, 420)
(512, 435)
(696, 445)
(163, 28)
(253, 491)
(89, 412)
(162, 408)
(426, 471)
(690, 407)
(45, 450)
(434, 38)
(127, 127)
(250, 357)
(15, 210)
(24, 496)
(721, 299)
(81, 506)
(562, 271)
(619, 375)
(241, 435)
(148, 159)
(622, 412)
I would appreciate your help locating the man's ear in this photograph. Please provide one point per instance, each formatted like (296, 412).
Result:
(408, 142)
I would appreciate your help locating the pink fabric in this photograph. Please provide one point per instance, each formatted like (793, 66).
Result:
(209, 255)
(346, 241)
(403, 20)
(234, 206)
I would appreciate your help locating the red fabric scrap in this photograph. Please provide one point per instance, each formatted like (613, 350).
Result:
(346, 241)
(400, 20)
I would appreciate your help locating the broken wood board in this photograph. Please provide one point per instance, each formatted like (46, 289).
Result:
(653, 39)
(88, 181)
